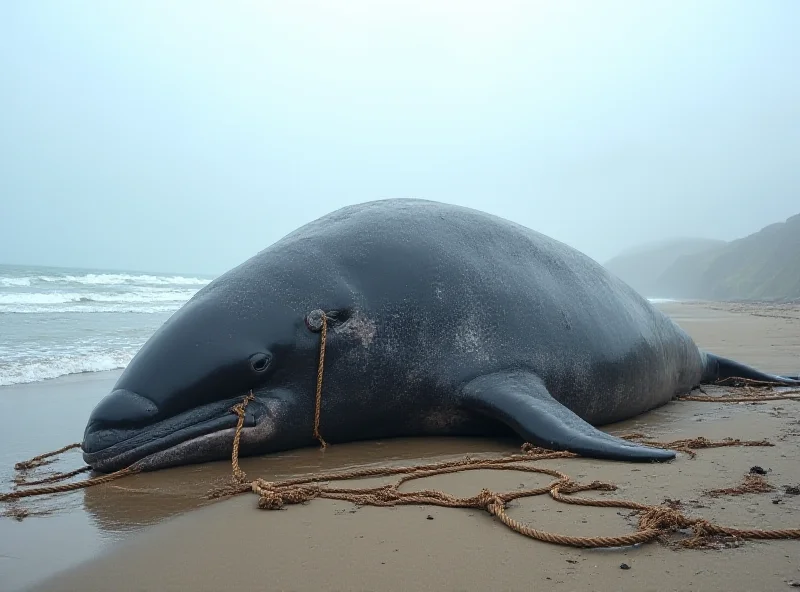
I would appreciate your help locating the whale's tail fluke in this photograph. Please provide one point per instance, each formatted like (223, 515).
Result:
(719, 368)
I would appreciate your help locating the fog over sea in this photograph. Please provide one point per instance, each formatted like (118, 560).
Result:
(58, 321)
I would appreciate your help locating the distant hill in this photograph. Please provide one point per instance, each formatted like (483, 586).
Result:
(643, 267)
(762, 266)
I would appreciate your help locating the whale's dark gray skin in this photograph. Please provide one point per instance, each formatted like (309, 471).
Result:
(443, 320)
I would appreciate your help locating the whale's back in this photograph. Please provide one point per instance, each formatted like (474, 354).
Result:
(476, 293)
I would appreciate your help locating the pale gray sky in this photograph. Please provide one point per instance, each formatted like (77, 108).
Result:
(188, 135)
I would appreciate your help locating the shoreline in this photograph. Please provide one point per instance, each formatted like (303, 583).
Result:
(65, 379)
(153, 531)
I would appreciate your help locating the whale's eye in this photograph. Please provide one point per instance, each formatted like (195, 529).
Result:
(260, 362)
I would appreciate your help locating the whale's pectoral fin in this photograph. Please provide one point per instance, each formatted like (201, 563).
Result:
(521, 401)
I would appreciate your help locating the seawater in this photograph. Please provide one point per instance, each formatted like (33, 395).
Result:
(58, 321)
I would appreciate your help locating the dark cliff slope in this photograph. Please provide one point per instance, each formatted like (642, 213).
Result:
(643, 267)
(762, 266)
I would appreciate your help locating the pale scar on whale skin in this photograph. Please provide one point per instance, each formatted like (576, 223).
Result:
(358, 327)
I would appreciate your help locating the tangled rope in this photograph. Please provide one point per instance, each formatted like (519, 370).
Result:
(64, 487)
(42, 459)
(738, 381)
(755, 391)
(751, 484)
(690, 445)
(654, 522)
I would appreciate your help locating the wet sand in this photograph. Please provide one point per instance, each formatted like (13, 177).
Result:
(138, 533)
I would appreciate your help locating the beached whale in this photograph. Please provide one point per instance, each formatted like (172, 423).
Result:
(443, 320)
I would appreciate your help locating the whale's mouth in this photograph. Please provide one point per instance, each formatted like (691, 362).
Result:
(108, 449)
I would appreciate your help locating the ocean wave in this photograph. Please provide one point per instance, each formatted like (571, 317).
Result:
(101, 279)
(88, 309)
(34, 371)
(15, 282)
(122, 279)
(143, 296)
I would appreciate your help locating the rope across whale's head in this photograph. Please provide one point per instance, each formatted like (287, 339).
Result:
(171, 405)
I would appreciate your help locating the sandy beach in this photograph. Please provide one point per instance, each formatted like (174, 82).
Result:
(156, 531)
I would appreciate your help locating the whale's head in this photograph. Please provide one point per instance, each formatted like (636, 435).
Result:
(172, 403)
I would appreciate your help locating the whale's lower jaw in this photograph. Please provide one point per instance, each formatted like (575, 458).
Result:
(202, 434)
(207, 445)
(121, 456)
(213, 446)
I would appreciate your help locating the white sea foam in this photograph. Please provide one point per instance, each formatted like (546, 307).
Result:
(88, 308)
(135, 299)
(19, 372)
(142, 295)
(121, 279)
(15, 282)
